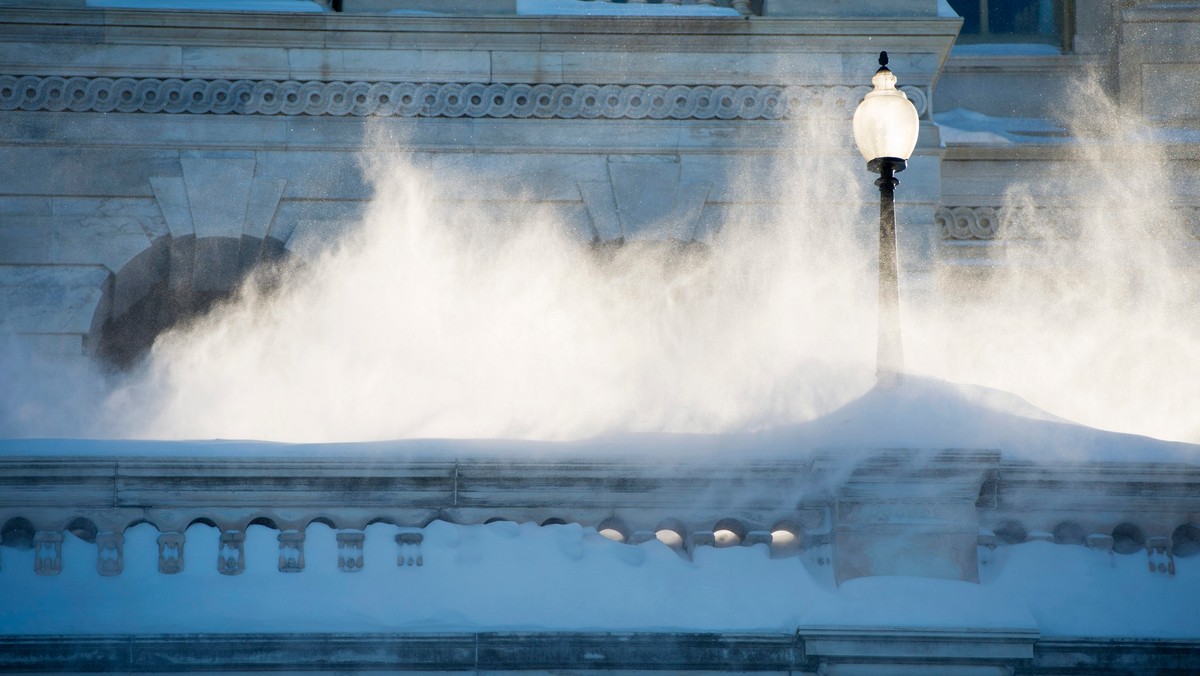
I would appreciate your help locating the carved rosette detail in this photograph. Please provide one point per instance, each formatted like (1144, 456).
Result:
(431, 99)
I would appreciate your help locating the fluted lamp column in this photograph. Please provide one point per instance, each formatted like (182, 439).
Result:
(885, 129)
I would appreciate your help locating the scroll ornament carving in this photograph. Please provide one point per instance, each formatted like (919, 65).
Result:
(428, 99)
(1049, 223)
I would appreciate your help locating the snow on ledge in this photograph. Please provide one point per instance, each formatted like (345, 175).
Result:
(212, 5)
(523, 577)
(599, 8)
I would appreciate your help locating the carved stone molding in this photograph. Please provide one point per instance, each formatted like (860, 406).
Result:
(964, 223)
(431, 99)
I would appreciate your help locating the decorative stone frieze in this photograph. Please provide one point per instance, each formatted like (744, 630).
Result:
(47, 552)
(231, 553)
(350, 550)
(291, 551)
(410, 549)
(110, 558)
(432, 99)
(1050, 223)
(170, 553)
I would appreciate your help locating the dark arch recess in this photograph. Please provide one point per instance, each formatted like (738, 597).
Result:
(84, 529)
(18, 533)
(1185, 540)
(1128, 538)
(141, 520)
(175, 280)
(323, 520)
(263, 521)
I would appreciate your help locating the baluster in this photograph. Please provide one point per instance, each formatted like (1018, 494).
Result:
(231, 556)
(350, 550)
(410, 549)
(170, 553)
(47, 547)
(291, 551)
(110, 558)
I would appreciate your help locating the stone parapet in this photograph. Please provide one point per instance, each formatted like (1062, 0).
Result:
(871, 512)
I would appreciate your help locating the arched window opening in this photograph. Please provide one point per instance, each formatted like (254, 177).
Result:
(614, 529)
(1128, 538)
(175, 281)
(83, 529)
(729, 533)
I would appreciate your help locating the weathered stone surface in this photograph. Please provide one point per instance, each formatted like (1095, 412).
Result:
(50, 299)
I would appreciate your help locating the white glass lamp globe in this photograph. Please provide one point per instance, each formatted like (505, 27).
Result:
(885, 123)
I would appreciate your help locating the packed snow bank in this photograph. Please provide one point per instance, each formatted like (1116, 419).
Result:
(921, 414)
(1005, 49)
(213, 5)
(505, 576)
(968, 127)
(597, 8)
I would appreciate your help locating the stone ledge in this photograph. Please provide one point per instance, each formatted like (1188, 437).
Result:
(408, 652)
(966, 651)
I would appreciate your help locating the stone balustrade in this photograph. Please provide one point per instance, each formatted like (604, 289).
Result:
(845, 508)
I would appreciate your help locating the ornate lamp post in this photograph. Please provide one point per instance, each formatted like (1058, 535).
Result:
(885, 130)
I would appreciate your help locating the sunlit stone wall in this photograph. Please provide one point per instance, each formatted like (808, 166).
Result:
(230, 136)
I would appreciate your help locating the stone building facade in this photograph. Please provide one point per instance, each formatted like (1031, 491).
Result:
(152, 154)
(174, 148)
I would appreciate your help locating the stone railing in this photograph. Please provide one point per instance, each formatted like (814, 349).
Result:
(840, 506)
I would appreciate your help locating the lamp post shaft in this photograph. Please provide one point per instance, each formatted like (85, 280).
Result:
(889, 362)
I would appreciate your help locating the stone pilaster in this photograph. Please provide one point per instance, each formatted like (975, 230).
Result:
(908, 512)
